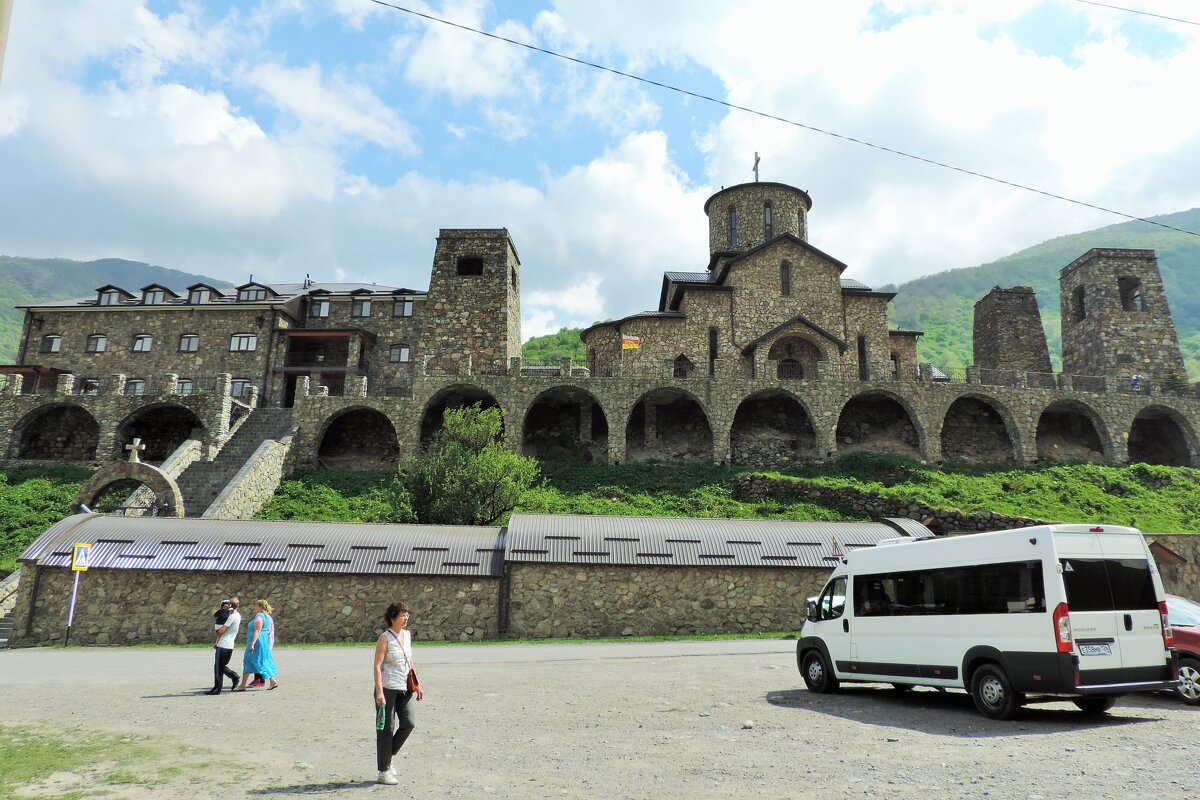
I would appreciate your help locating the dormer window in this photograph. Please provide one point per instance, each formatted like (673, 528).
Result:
(319, 307)
(360, 307)
(403, 307)
(51, 343)
(154, 297)
(143, 343)
(252, 294)
(110, 297)
(199, 296)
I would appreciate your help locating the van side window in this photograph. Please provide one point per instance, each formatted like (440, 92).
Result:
(833, 600)
(1009, 588)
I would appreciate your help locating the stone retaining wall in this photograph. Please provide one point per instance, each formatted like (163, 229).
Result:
(255, 484)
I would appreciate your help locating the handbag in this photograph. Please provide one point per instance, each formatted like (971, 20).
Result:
(413, 684)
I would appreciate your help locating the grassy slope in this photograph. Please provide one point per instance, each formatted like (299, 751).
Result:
(34, 280)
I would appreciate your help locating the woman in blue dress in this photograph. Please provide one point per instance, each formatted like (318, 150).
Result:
(260, 640)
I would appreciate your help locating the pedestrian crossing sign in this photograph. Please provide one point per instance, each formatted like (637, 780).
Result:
(81, 556)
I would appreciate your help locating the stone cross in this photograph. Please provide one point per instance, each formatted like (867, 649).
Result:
(756, 160)
(133, 449)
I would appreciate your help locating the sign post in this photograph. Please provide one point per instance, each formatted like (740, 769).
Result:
(79, 564)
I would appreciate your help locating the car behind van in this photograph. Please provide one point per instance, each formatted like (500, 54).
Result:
(1013, 617)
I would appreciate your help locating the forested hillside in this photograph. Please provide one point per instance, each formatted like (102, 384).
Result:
(35, 280)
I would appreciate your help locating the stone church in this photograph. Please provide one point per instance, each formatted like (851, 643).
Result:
(768, 355)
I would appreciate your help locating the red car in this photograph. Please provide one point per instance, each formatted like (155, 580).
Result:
(1184, 618)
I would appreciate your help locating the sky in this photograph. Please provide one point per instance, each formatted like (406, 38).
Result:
(279, 138)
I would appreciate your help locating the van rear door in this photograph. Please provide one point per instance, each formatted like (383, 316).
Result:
(1111, 593)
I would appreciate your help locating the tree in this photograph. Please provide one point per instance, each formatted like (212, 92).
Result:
(467, 476)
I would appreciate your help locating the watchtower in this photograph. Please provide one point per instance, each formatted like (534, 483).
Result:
(474, 303)
(1115, 318)
(1008, 332)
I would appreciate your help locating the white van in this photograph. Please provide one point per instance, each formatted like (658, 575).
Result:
(1013, 617)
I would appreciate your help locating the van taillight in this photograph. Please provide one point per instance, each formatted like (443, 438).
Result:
(1062, 629)
(1168, 639)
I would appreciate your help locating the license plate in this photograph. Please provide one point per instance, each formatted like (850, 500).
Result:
(1095, 649)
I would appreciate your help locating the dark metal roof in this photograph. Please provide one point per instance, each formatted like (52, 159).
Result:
(689, 542)
(689, 277)
(854, 286)
(272, 546)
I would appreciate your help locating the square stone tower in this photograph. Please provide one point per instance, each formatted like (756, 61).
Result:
(474, 304)
(1115, 318)
(1008, 332)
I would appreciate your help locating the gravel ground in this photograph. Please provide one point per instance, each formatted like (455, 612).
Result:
(660, 720)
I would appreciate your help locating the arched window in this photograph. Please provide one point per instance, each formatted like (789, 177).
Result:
(712, 351)
(682, 366)
(732, 226)
(768, 223)
(785, 278)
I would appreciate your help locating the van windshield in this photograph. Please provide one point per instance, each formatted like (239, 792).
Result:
(1108, 584)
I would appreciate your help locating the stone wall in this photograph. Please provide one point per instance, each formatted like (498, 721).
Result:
(789, 214)
(1008, 333)
(564, 600)
(118, 607)
(254, 485)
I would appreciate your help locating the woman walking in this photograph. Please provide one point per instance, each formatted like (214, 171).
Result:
(393, 663)
(260, 641)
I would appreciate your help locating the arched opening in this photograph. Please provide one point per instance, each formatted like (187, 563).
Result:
(797, 358)
(161, 430)
(771, 429)
(1066, 431)
(668, 425)
(1157, 437)
(361, 438)
(129, 497)
(566, 424)
(879, 424)
(975, 433)
(682, 366)
(452, 397)
(58, 433)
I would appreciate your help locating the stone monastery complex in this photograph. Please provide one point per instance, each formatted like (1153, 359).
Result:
(768, 355)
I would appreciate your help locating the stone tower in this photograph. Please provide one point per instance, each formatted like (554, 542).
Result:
(1008, 332)
(1115, 318)
(745, 216)
(474, 303)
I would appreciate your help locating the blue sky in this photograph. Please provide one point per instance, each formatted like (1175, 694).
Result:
(293, 137)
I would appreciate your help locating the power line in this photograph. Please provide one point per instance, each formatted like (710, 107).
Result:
(1137, 11)
(784, 120)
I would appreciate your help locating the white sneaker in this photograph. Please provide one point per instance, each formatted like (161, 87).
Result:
(388, 777)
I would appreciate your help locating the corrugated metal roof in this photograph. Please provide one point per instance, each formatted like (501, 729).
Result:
(689, 277)
(679, 541)
(853, 285)
(272, 546)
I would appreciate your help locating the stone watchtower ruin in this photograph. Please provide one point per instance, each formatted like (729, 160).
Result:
(1115, 318)
(1008, 333)
(473, 323)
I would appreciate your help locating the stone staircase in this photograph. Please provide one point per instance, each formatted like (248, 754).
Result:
(201, 482)
(8, 601)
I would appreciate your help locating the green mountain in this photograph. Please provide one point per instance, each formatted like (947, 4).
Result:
(552, 348)
(942, 305)
(37, 280)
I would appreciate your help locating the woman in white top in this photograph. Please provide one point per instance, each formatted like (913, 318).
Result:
(393, 661)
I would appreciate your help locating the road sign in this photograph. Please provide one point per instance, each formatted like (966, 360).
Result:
(81, 556)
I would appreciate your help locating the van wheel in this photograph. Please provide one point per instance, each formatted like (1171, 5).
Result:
(993, 694)
(1188, 689)
(818, 677)
(1095, 705)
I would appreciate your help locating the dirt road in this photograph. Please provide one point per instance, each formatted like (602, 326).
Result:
(727, 719)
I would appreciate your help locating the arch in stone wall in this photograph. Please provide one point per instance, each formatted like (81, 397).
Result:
(977, 429)
(358, 438)
(879, 422)
(668, 424)
(162, 427)
(1161, 435)
(56, 432)
(565, 423)
(1071, 430)
(771, 428)
(168, 502)
(459, 395)
(796, 358)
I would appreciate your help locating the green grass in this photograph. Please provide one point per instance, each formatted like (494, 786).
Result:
(29, 755)
(31, 500)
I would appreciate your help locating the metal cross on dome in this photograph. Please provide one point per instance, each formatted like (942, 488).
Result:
(756, 160)
(133, 448)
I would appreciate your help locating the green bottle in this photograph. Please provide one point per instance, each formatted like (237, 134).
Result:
(381, 717)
